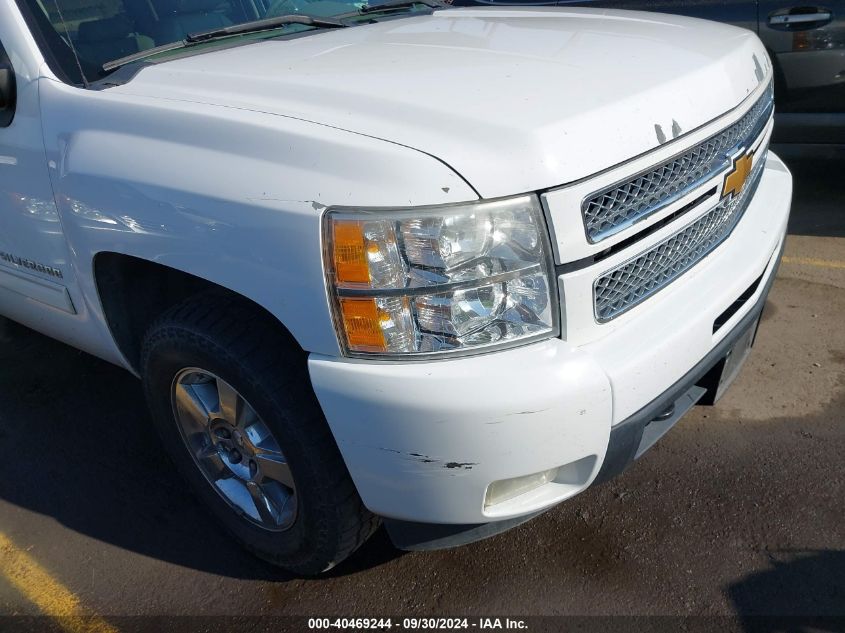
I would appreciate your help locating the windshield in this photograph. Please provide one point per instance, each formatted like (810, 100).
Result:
(91, 33)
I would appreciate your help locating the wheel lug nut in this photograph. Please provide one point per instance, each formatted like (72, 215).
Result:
(235, 457)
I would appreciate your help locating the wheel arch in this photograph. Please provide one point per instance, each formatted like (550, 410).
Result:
(133, 292)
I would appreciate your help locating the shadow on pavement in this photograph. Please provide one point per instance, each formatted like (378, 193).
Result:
(80, 448)
(800, 586)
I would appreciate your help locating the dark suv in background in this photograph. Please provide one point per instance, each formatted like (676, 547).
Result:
(806, 42)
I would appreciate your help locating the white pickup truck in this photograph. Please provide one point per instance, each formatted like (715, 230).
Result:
(442, 268)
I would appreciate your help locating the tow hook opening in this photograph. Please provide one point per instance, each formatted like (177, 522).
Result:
(668, 413)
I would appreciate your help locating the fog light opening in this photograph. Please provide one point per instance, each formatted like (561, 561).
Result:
(567, 480)
(507, 489)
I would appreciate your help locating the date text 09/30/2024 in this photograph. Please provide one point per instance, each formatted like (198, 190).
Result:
(480, 623)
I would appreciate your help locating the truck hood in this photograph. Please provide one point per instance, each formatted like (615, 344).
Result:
(512, 99)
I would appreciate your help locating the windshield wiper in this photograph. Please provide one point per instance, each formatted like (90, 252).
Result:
(266, 24)
(256, 26)
(149, 52)
(402, 4)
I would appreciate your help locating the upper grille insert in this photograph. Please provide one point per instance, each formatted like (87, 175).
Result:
(627, 285)
(621, 205)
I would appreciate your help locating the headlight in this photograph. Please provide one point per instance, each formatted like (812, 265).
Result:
(416, 282)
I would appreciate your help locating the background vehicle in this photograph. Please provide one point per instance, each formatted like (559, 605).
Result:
(806, 41)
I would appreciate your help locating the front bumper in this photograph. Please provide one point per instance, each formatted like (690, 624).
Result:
(628, 440)
(634, 436)
(424, 440)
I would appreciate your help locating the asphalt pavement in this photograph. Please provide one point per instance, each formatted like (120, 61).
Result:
(737, 512)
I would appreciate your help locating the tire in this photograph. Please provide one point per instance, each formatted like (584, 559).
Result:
(233, 341)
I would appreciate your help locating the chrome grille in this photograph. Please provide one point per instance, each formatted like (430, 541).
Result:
(621, 205)
(627, 285)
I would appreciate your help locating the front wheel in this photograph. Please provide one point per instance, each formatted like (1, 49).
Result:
(230, 397)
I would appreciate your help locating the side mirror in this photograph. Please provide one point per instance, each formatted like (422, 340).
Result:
(8, 94)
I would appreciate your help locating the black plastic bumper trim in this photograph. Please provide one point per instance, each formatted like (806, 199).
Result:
(412, 536)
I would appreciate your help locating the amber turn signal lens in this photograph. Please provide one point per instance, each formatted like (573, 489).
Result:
(350, 256)
(362, 323)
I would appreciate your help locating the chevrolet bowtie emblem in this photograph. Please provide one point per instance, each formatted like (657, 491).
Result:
(735, 179)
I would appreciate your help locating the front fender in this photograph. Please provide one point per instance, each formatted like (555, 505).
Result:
(232, 196)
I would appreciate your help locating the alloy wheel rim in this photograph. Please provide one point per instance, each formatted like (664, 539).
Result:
(234, 449)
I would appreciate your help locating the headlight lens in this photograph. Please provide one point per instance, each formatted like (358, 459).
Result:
(416, 282)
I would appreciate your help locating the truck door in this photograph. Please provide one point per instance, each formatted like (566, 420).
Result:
(34, 258)
(808, 41)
